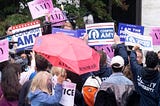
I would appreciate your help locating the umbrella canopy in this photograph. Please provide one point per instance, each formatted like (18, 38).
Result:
(68, 52)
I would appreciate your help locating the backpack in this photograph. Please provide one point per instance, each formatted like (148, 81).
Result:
(90, 89)
(105, 98)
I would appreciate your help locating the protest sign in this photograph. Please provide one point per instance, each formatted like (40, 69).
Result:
(155, 34)
(4, 53)
(57, 17)
(68, 94)
(75, 33)
(100, 33)
(107, 49)
(132, 28)
(28, 32)
(39, 8)
(145, 42)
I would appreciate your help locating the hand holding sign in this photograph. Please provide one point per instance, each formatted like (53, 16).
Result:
(116, 39)
(68, 94)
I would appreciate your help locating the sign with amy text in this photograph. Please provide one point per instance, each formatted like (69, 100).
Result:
(155, 34)
(26, 34)
(4, 53)
(145, 42)
(39, 8)
(100, 33)
(132, 28)
(57, 17)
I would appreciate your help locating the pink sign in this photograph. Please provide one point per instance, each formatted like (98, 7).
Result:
(107, 49)
(57, 17)
(39, 8)
(155, 34)
(4, 53)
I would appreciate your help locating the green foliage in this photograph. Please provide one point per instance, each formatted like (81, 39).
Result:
(14, 13)
(17, 19)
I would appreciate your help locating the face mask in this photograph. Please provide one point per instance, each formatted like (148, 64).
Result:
(25, 61)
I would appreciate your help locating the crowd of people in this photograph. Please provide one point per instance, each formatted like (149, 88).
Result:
(26, 79)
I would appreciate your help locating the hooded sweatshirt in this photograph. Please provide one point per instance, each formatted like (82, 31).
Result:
(147, 83)
(40, 98)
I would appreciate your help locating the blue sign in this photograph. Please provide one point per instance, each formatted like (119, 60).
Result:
(75, 33)
(100, 33)
(81, 32)
(132, 28)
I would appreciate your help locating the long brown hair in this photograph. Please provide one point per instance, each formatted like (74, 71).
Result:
(10, 81)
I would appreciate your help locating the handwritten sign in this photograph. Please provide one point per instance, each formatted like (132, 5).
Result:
(39, 8)
(57, 17)
(132, 28)
(100, 33)
(4, 53)
(133, 39)
(68, 94)
(155, 34)
(107, 49)
(26, 39)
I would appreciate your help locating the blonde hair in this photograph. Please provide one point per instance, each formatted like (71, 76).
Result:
(40, 81)
(58, 70)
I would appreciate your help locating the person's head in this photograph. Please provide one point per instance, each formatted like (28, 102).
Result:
(151, 59)
(10, 81)
(58, 70)
(103, 58)
(47, 28)
(117, 63)
(23, 59)
(41, 63)
(41, 81)
(139, 56)
(8, 29)
(68, 26)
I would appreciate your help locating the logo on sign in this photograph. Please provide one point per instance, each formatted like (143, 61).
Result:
(93, 34)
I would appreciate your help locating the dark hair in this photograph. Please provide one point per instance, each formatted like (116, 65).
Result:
(47, 28)
(116, 69)
(10, 81)
(41, 63)
(151, 59)
(3, 64)
(7, 26)
(103, 57)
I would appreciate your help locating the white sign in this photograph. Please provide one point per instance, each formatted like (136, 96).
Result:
(145, 42)
(68, 95)
(100, 33)
(26, 39)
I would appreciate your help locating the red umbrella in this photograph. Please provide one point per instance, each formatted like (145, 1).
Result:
(68, 52)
